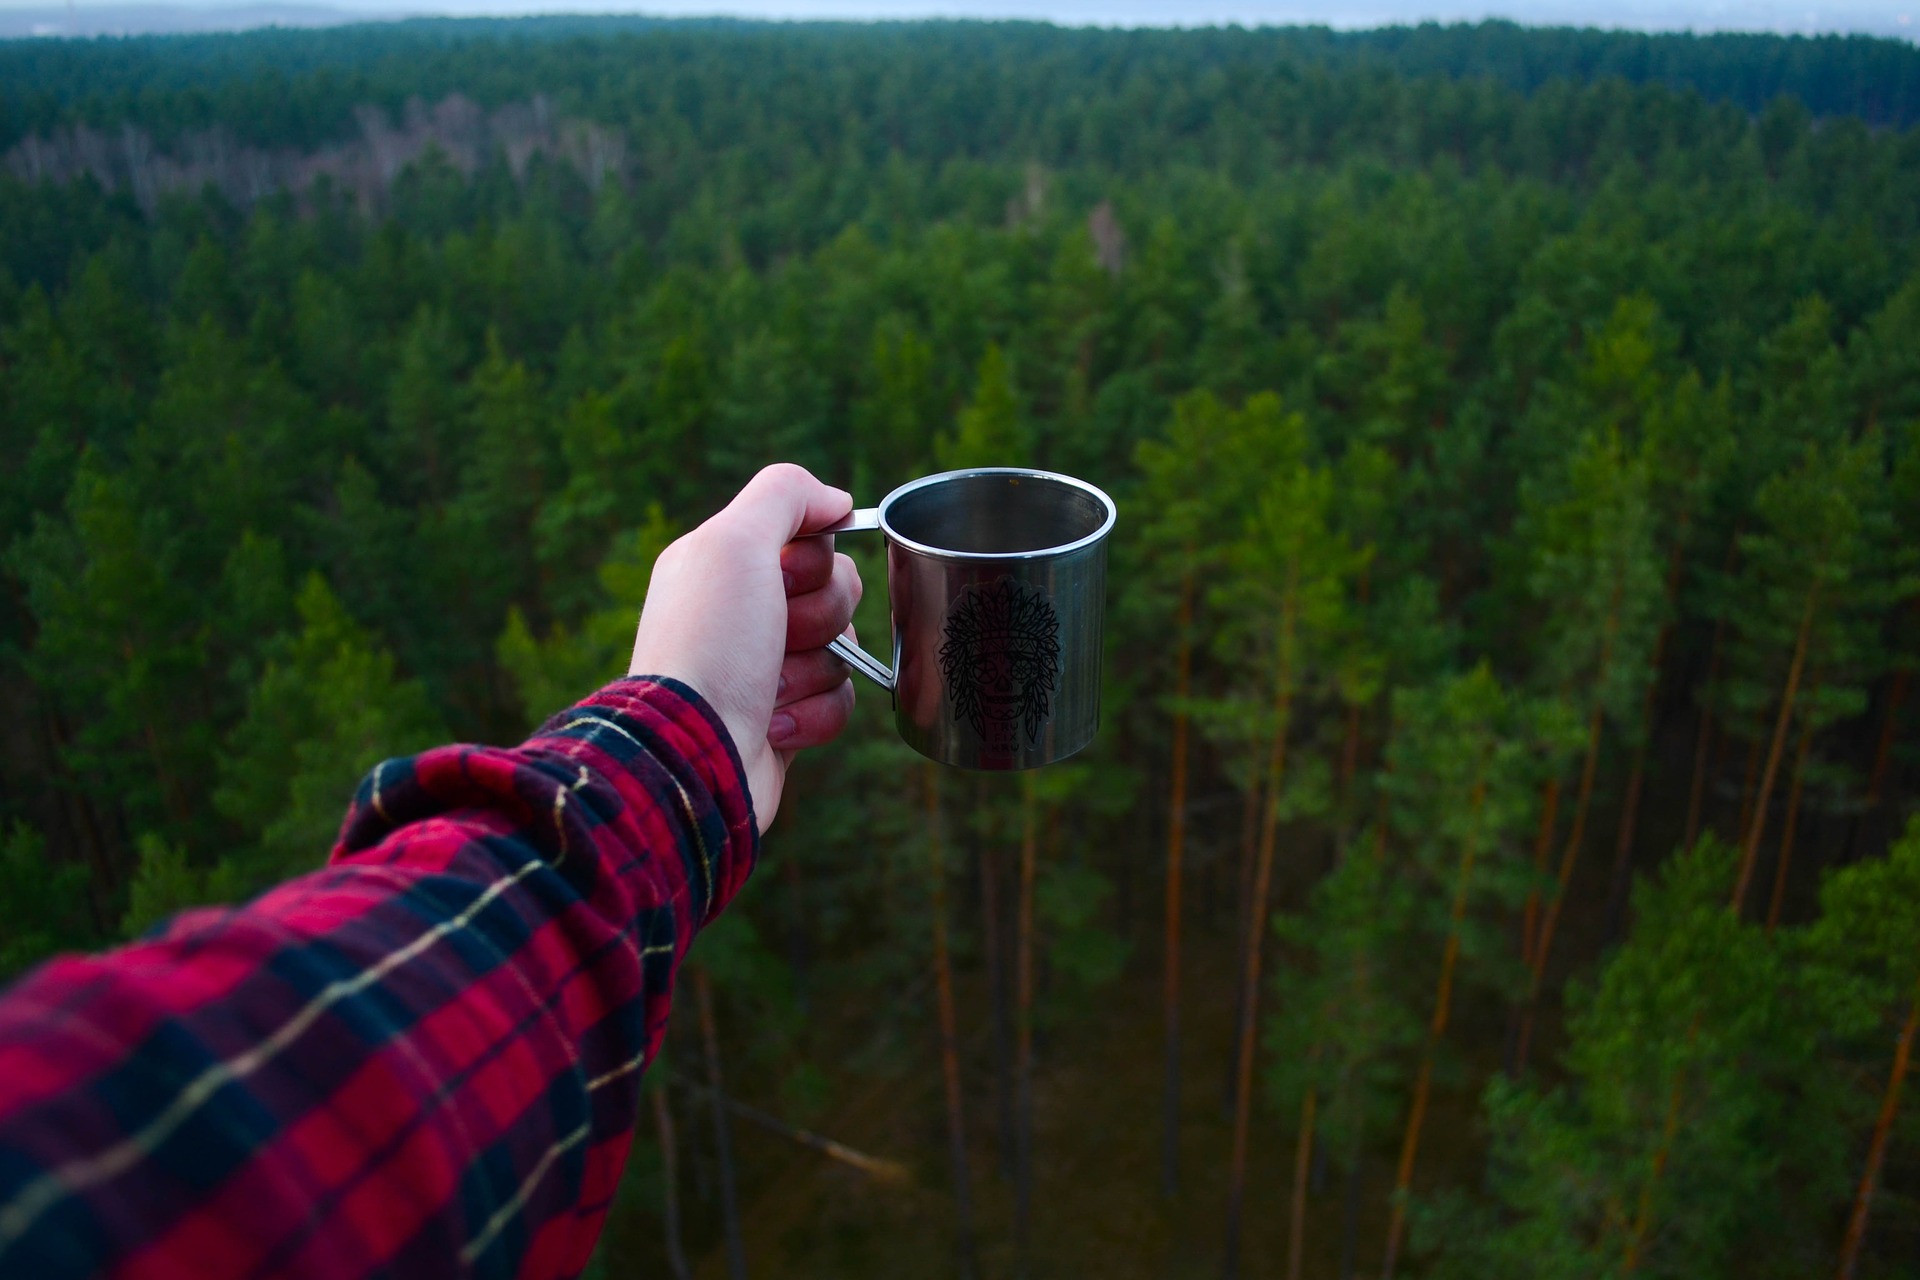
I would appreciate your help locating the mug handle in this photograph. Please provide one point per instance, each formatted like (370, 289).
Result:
(859, 520)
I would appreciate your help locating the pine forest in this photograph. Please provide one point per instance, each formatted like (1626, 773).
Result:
(1500, 856)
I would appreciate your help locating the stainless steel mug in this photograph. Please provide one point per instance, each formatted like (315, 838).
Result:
(996, 578)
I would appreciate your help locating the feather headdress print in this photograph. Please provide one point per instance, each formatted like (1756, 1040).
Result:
(1002, 656)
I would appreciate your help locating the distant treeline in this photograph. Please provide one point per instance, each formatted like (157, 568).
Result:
(299, 88)
(796, 131)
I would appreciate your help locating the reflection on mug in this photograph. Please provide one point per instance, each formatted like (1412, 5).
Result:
(997, 581)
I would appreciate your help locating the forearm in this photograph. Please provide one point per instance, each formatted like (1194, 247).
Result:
(424, 1058)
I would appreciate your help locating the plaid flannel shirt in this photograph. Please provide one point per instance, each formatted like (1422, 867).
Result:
(422, 1060)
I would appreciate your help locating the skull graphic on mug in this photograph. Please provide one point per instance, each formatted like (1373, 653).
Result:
(1000, 658)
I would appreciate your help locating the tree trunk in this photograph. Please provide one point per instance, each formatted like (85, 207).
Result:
(1636, 778)
(1350, 744)
(1576, 836)
(1350, 1214)
(1256, 935)
(1543, 946)
(1303, 1153)
(1877, 1150)
(1758, 826)
(1620, 883)
(104, 871)
(1746, 787)
(1349, 763)
(1383, 810)
(873, 1166)
(1309, 1105)
(1249, 855)
(1883, 753)
(994, 941)
(1023, 1062)
(1442, 1004)
(798, 946)
(949, 1038)
(1697, 791)
(1542, 847)
(670, 1170)
(1176, 848)
(722, 1127)
(1785, 859)
(1643, 1219)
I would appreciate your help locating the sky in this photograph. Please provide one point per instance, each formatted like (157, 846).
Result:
(1898, 18)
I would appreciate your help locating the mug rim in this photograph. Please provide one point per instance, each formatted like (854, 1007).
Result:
(1039, 553)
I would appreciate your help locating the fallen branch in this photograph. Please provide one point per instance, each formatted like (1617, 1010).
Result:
(875, 1166)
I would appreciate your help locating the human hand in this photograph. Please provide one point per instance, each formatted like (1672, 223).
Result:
(742, 612)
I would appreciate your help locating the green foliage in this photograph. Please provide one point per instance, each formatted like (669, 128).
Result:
(1461, 774)
(894, 412)
(989, 432)
(553, 673)
(163, 886)
(1668, 1138)
(1291, 569)
(327, 708)
(1595, 569)
(1819, 572)
(1346, 1020)
(1068, 901)
(121, 636)
(1864, 949)
(42, 903)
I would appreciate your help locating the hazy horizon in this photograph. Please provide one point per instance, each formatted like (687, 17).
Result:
(1892, 18)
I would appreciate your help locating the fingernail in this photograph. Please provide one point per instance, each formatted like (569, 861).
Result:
(781, 691)
(781, 729)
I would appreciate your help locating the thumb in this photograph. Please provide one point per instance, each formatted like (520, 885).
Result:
(783, 501)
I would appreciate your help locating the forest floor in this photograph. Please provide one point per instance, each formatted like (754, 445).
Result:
(1098, 1209)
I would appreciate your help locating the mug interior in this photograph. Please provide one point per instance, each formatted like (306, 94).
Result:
(996, 513)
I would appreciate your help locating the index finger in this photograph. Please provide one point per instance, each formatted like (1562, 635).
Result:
(784, 501)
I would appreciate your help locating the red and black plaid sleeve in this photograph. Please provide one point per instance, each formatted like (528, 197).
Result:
(422, 1060)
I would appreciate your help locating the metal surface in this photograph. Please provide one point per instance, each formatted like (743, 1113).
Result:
(855, 521)
(862, 661)
(997, 582)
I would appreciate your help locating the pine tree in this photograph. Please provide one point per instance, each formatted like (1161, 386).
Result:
(42, 903)
(1595, 569)
(1687, 438)
(964, 1246)
(1190, 484)
(426, 404)
(894, 412)
(990, 431)
(119, 638)
(1904, 640)
(1462, 778)
(1864, 954)
(1813, 584)
(553, 672)
(1662, 1154)
(328, 706)
(482, 543)
(1346, 1001)
(1288, 606)
(164, 884)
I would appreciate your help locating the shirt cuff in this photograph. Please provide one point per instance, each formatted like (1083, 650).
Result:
(671, 715)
